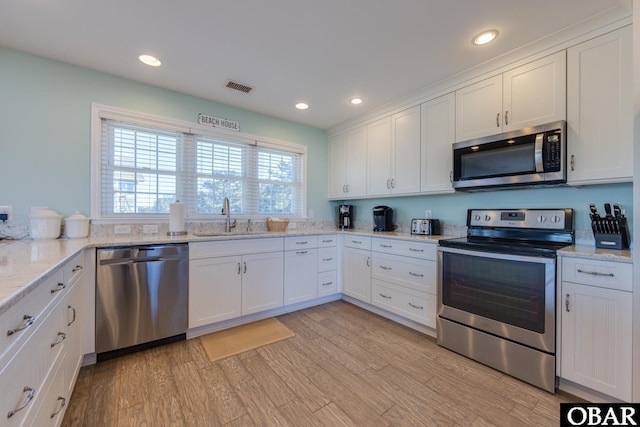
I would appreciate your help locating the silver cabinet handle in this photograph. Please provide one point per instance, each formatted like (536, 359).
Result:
(239, 268)
(344, 188)
(28, 321)
(595, 273)
(388, 186)
(416, 250)
(416, 306)
(393, 183)
(61, 337)
(347, 188)
(368, 261)
(64, 402)
(385, 268)
(32, 392)
(506, 118)
(245, 267)
(60, 287)
(451, 177)
(77, 268)
(566, 303)
(416, 274)
(327, 259)
(302, 243)
(573, 162)
(498, 120)
(384, 296)
(302, 252)
(385, 246)
(327, 284)
(357, 242)
(74, 315)
(327, 241)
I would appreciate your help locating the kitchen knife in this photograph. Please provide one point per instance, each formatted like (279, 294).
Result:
(616, 211)
(607, 209)
(608, 222)
(595, 218)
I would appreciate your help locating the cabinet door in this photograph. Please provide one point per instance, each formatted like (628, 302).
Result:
(596, 339)
(437, 135)
(74, 319)
(215, 287)
(262, 282)
(479, 109)
(357, 273)
(535, 93)
(357, 162)
(338, 166)
(300, 275)
(378, 157)
(600, 109)
(405, 151)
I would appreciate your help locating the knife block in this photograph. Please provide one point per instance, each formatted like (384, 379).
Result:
(611, 233)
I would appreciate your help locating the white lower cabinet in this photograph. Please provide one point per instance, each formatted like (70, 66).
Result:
(356, 268)
(596, 316)
(404, 277)
(300, 269)
(227, 280)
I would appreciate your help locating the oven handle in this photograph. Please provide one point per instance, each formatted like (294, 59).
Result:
(499, 255)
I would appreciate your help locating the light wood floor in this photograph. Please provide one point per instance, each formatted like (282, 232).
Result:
(344, 367)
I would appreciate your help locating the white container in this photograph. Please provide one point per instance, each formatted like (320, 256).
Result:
(45, 224)
(77, 226)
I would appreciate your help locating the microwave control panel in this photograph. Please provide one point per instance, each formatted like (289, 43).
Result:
(552, 151)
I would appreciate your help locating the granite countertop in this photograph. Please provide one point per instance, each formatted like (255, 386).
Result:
(588, 251)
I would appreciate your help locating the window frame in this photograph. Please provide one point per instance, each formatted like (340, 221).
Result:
(100, 112)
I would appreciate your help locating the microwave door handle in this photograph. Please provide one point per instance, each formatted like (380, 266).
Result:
(538, 153)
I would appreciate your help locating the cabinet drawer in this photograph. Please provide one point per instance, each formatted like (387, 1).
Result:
(327, 283)
(234, 247)
(73, 268)
(358, 242)
(414, 305)
(406, 248)
(413, 273)
(605, 274)
(300, 242)
(327, 240)
(327, 259)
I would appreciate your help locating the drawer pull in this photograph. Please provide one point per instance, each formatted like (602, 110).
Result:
(302, 243)
(385, 268)
(385, 246)
(61, 337)
(357, 242)
(327, 259)
(32, 392)
(60, 287)
(77, 268)
(64, 402)
(384, 296)
(239, 269)
(327, 284)
(566, 303)
(595, 273)
(416, 306)
(416, 274)
(28, 321)
(327, 241)
(302, 252)
(72, 321)
(416, 250)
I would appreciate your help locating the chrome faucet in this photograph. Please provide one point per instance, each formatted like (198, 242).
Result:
(226, 210)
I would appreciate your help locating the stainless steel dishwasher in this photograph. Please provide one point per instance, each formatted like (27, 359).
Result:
(141, 297)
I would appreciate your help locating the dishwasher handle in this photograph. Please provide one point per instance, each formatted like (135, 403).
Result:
(122, 261)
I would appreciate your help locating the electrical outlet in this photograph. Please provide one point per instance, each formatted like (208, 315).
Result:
(122, 229)
(150, 229)
(427, 214)
(7, 210)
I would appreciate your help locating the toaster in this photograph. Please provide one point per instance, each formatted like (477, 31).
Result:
(425, 226)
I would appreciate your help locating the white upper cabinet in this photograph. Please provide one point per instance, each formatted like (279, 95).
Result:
(393, 154)
(348, 164)
(600, 109)
(437, 134)
(529, 95)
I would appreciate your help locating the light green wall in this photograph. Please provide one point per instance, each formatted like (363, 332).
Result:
(45, 131)
(45, 146)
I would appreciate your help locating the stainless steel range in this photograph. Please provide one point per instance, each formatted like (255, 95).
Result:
(497, 288)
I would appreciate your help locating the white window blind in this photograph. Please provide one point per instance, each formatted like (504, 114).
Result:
(145, 168)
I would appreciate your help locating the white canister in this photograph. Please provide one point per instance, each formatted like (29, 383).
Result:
(77, 226)
(45, 224)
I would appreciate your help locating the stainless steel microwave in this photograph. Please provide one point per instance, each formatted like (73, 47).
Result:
(531, 156)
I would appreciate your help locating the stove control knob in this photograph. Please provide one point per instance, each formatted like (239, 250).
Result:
(487, 218)
(541, 219)
(476, 217)
(555, 219)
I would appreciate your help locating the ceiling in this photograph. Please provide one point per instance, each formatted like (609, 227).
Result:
(320, 52)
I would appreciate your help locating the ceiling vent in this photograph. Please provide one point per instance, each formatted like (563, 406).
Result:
(238, 86)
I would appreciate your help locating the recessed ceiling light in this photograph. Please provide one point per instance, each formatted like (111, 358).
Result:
(356, 101)
(150, 60)
(302, 105)
(485, 37)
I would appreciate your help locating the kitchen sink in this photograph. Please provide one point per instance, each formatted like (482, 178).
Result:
(219, 234)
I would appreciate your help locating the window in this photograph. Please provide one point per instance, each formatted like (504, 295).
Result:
(145, 165)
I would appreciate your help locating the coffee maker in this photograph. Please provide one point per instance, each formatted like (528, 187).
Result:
(345, 216)
(383, 218)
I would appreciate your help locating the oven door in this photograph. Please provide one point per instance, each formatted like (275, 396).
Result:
(509, 296)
